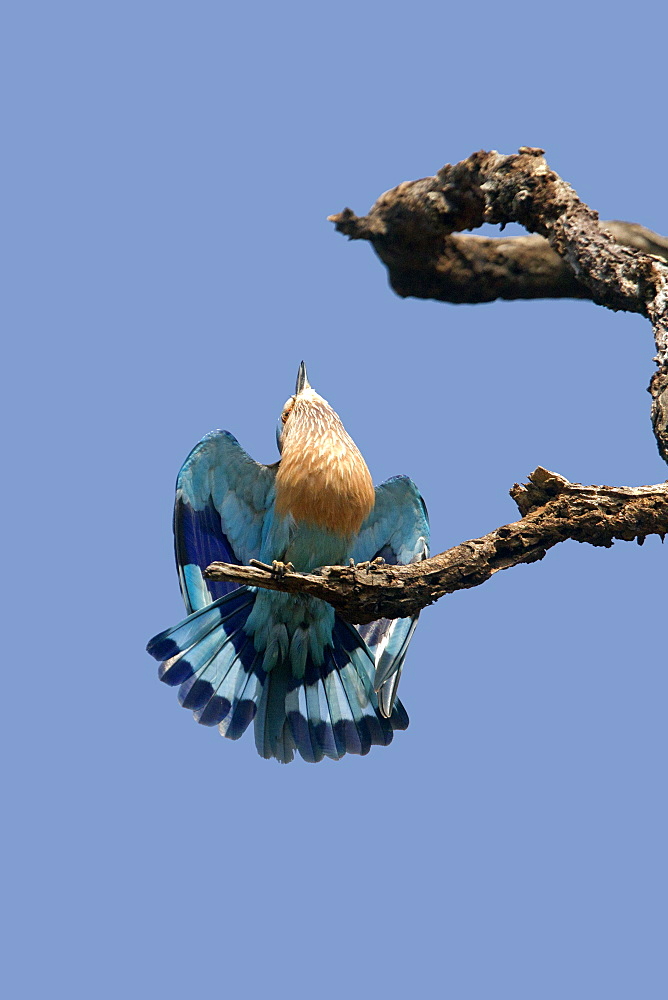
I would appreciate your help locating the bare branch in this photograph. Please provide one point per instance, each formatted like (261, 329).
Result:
(553, 510)
(476, 269)
(618, 265)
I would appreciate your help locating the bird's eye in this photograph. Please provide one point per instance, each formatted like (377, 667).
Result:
(287, 409)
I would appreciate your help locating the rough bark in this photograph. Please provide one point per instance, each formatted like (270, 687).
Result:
(619, 265)
(553, 510)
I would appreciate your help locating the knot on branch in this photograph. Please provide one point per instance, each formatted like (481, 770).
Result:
(542, 487)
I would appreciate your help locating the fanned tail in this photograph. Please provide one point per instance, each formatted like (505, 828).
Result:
(319, 709)
(213, 661)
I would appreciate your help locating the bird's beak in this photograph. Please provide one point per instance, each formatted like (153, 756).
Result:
(302, 379)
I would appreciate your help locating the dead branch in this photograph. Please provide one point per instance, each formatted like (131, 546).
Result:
(553, 510)
(619, 265)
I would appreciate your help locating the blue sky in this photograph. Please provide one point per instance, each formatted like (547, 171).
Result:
(169, 170)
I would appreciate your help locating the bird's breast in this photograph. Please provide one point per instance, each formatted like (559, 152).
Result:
(326, 486)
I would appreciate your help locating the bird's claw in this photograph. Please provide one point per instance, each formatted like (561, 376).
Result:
(368, 566)
(279, 568)
(259, 565)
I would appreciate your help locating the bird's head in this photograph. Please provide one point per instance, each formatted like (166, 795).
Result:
(322, 476)
(282, 428)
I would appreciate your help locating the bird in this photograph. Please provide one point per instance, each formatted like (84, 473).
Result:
(310, 682)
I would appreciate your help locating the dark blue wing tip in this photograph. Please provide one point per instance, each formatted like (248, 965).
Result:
(399, 719)
(195, 693)
(215, 710)
(305, 740)
(162, 648)
(243, 715)
(175, 673)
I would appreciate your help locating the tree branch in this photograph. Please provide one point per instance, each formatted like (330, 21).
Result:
(619, 265)
(553, 510)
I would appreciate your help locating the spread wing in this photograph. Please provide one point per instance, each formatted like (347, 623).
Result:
(222, 496)
(398, 530)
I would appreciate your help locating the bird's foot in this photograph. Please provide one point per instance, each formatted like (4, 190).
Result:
(279, 568)
(260, 565)
(369, 566)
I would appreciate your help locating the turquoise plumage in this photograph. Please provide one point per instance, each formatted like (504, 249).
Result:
(309, 681)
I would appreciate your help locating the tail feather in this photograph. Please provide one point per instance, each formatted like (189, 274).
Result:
(270, 738)
(302, 727)
(319, 716)
(210, 671)
(178, 669)
(286, 746)
(244, 700)
(192, 629)
(220, 702)
(186, 647)
(373, 728)
(341, 715)
(326, 707)
(353, 730)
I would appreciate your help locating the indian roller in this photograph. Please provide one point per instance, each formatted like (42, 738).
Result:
(309, 681)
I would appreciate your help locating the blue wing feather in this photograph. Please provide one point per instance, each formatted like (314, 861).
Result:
(397, 529)
(222, 497)
(198, 541)
(398, 526)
